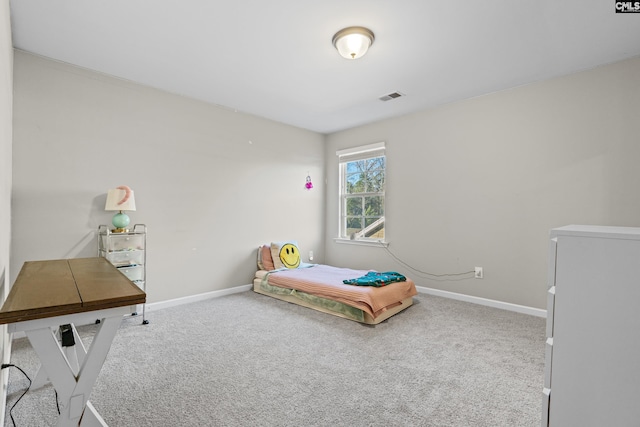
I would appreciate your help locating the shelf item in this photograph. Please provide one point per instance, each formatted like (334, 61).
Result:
(591, 372)
(127, 251)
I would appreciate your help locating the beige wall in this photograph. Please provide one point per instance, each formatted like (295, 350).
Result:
(6, 77)
(210, 183)
(474, 183)
(481, 182)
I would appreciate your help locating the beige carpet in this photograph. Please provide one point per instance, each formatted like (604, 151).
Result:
(250, 360)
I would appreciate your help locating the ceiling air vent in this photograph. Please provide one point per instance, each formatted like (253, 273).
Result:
(391, 96)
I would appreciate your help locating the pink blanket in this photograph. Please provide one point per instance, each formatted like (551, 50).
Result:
(326, 281)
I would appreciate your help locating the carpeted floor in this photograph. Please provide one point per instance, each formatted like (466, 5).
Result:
(250, 360)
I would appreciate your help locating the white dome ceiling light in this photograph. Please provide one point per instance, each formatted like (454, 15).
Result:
(353, 42)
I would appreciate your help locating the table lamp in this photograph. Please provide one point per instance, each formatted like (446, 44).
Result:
(120, 199)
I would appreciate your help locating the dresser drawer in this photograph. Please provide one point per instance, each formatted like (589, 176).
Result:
(546, 400)
(121, 242)
(551, 307)
(123, 258)
(548, 357)
(551, 271)
(133, 273)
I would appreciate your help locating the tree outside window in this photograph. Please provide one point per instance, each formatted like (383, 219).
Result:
(362, 198)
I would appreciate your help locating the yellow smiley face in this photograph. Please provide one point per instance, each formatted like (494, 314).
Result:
(290, 256)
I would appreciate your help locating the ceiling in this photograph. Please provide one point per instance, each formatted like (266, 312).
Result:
(275, 58)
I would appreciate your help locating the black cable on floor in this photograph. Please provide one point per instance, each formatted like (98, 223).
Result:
(9, 365)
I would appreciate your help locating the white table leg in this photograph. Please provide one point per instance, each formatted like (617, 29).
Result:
(52, 359)
(91, 418)
(75, 355)
(40, 379)
(74, 390)
(81, 351)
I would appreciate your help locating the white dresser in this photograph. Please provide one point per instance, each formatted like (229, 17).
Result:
(592, 366)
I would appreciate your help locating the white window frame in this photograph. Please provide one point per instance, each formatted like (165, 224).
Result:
(349, 155)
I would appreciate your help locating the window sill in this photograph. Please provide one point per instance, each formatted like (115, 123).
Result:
(376, 243)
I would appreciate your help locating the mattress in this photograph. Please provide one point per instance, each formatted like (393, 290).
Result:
(321, 287)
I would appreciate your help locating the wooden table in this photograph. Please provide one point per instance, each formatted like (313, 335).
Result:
(48, 294)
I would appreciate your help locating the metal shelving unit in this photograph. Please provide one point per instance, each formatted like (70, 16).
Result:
(127, 251)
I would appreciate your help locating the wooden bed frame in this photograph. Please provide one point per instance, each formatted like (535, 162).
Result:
(368, 319)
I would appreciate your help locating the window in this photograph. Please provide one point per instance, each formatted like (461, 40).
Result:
(362, 183)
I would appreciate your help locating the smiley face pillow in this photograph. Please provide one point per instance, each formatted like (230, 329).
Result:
(285, 254)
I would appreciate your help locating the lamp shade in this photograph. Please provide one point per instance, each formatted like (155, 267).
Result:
(120, 199)
(353, 42)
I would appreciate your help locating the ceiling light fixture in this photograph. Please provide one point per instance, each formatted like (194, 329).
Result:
(353, 42)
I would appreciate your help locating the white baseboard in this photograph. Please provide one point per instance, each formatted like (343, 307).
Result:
(178, 301)
(421, 289)
(446, 294)
(484, 301)
(194, 298)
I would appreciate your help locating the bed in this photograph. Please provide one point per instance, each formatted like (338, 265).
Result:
(321, 287)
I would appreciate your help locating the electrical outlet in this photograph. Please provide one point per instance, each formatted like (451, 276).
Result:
(310, 255)
(479, 274)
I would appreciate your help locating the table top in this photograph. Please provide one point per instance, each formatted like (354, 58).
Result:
(58, 287)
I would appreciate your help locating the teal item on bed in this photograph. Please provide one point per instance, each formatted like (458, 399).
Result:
(373, 278)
